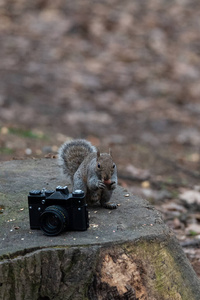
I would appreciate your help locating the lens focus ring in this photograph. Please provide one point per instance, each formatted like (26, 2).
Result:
(54, 220)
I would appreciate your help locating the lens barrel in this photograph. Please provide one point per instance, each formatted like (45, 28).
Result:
(54, 220)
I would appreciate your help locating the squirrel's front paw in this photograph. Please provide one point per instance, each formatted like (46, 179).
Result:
(113, 185)
(101, 185)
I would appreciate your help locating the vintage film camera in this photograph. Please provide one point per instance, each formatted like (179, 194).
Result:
(56, 211)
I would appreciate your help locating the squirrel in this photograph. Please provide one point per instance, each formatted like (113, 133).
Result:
(89, 170)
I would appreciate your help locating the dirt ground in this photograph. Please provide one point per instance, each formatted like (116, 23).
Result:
(122, 74)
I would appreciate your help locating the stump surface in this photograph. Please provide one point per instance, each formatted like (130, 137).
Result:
(134, 218)
(127, 253)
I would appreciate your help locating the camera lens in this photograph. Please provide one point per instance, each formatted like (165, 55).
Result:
(54, 220)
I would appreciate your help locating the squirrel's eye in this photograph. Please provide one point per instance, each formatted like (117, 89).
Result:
(113, 166)
(99, 166)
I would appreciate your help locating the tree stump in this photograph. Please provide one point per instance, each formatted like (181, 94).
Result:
(127, 253)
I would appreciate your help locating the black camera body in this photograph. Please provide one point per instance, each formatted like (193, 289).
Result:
(56, 211)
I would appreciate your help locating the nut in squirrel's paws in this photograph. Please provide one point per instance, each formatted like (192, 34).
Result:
(107, 182)
(110, 184)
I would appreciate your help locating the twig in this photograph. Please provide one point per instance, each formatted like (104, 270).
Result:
(177, 166)
(131, 177)
(156, 183)
(191, 243)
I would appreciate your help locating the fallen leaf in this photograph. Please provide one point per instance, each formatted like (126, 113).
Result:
(177, 224)
(190, 196)
(193, 229)
(172, 206)
(145, 184)
(140, 174)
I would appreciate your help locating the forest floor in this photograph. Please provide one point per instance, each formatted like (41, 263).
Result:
(123, 75)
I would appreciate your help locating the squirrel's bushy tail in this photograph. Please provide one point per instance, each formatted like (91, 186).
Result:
(71, 154)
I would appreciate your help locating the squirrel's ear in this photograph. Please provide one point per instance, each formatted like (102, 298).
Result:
(98, 153)
(110, 152)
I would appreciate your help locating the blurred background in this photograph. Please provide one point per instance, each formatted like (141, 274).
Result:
(122, 74)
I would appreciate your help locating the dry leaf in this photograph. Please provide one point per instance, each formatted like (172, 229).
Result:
(138, 173)
(190, 196)
(193, 229)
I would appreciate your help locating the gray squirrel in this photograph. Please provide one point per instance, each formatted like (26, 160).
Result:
(89, 170)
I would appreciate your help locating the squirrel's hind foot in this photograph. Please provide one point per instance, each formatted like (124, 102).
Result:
(109, 205)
